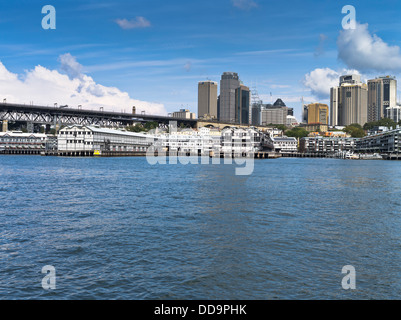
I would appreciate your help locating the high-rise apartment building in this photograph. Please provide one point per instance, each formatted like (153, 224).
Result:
(382, 95)
(228, 84)
(207, 99)
(349, 102)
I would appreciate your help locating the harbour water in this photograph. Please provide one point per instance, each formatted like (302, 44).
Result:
(119, 228)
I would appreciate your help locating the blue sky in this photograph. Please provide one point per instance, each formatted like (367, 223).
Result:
(172, 45)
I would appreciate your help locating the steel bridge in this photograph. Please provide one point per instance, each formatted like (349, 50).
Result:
(68, 116)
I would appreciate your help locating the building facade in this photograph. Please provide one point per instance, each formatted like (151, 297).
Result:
(17, 142)
(326, 145)
(388, 141)
(86, 138)
(382, 95)
(255, 118)
(207, 99)
(242, 105)
(273, 115)
(184, 114)
(349, 102)
(318, 113)
(394, 113)
(228, 84)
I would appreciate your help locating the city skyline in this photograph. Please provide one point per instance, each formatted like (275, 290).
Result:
(154, 54)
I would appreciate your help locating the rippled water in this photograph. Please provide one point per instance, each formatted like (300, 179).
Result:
(118, 228)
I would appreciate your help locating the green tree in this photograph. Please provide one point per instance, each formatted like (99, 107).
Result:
(355, 130)
(151, 125)
(297, 132)
(278, 126)
(385, 122)
(136, 128)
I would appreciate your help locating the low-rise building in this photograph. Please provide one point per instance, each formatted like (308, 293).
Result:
(89, 139)
(184, 114)
(388, 141)
(241, 140)
(285, 144)
(326, 145)
(18, 142)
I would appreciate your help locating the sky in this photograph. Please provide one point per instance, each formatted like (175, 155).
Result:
(152, 54)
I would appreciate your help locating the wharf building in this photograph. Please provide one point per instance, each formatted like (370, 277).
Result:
(282, 144)
(18, 142)
(240, 141)
(190, 142)
(88, 140)
(348, 102)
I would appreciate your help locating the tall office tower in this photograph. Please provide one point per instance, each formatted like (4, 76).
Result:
(218, 108)
(228, 84)
(304, 113)
(382, 94)
(242, 104)
(207, 99)
(350, 79)
(334, 95)
(349, 102)
(318, 113)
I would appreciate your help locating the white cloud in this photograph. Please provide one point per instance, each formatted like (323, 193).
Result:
(46, 87)
(320, 50)
(136, 23)
(319, 81)
(244, 4)
(188, 66)
(360, 50)
(70, 66)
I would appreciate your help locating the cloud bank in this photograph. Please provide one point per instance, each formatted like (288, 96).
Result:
(360, 50)
(244, 4)
(320, 80)
(46, 87)
(136, 23)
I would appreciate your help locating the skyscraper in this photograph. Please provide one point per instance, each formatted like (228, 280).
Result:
(256, 109)
(318, 113)
(228, 84)
(382, 97)
(207, 99)
(349, 101)
(242, 104)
